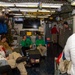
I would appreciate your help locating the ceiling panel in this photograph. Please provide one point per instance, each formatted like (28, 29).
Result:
(65, 8)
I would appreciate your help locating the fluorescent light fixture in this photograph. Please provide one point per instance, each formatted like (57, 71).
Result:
(47, 5)
(38, 16)
(18, 4)
(29, 10)
(26, 6)
(18, 14)
(6, 4)
(23, 10)
(44, 10)
(42, 16)
(73, 3)
(31, 29)
(44, 5)
(28, 15)
(6, 10)
(46, 16)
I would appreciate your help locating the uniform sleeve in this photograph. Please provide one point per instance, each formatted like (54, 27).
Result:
(43, 42)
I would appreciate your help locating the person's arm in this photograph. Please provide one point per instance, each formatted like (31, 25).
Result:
(56, 30)
(66, 50)
(43, 42)
(30, 43)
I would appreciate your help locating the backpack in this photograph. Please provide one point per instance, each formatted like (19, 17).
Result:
(3, 28)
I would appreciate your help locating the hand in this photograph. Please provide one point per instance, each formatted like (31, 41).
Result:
(30, 46)
(40, 45)
(7, 58)
(12, 48)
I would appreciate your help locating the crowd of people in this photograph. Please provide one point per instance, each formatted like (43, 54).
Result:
(27, 44)
(66, 59)
(8, 54)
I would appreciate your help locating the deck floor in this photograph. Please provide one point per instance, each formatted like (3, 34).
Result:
(46, 66)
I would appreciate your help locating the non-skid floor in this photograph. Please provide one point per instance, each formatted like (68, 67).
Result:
(46, 66)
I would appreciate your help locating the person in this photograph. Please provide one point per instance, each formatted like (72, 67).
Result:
(12, 56)
(26, 44)
(66, 32)
(4, 43)
(54, 32)
(11, 60)
(6, 69)
(69, 52)
(40, 44)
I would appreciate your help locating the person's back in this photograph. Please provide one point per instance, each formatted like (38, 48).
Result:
(54, 30)
(71, 42)
(67, 31)
(69, 52)
(40, 43)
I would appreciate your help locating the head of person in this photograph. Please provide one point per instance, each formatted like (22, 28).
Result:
(39, 37)
(24, 37)
(65, 25)
(55, 25)
(3, 38)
